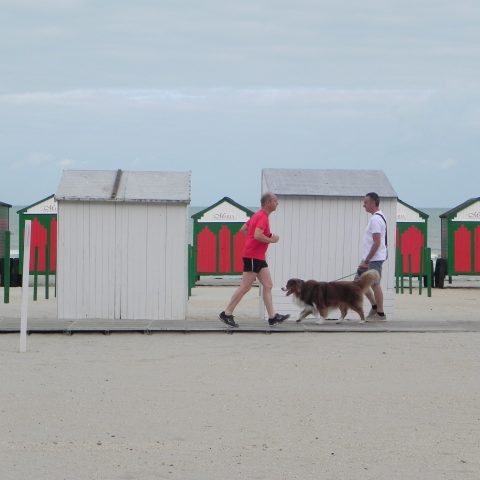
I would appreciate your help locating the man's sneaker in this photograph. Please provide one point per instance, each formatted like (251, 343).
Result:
(372, 313)
(376, 318)
(278, 318)
(228, 319)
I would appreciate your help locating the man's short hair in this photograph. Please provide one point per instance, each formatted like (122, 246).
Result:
(266, 197)
(374, 196)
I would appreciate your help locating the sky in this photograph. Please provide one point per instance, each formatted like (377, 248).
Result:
(224, 89)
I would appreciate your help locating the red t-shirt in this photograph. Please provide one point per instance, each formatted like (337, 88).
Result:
(253, 248)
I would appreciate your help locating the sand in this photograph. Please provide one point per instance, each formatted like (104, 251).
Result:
(458, 302)
(246, 406)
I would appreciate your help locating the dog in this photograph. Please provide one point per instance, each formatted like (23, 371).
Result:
(321, 297)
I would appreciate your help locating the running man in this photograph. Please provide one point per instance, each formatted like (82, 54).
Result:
(257, 229)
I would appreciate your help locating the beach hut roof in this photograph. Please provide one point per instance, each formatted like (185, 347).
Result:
(224, 199)
(2, 204)
(124, 186)
(23, 210)
(327, 183)
(453, 211)
(422, 214)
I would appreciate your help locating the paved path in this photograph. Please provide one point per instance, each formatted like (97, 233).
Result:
(10, 325)
(448, 310)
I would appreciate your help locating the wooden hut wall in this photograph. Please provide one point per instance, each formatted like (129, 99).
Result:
(321, 238)
(122, 260)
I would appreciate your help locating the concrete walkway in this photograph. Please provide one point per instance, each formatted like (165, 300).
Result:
(448, 310)
(11, 325)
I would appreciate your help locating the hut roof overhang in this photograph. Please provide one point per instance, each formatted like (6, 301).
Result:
(420, 213)
(124, 186)
(328, 183)
(199, 214)
(453, 211)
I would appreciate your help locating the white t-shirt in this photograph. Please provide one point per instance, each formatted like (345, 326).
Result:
(375, 225)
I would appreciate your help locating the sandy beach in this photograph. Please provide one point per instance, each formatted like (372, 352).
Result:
(246, 406)
(458, 302)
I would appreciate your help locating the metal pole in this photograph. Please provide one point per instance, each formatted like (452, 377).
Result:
(35, 275)
(410, 274)
(6, 268)
(47, 263)
(421, 269)
(189, 270)
(397, 270)
(428, 260)
(25, 279)
(402, 277)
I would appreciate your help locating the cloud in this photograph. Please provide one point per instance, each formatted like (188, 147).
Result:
(43, 5)
(37, 160)
(66, 163)
(448, 164)
(343, 101)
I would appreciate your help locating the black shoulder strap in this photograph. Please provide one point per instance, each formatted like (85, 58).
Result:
(386, 235)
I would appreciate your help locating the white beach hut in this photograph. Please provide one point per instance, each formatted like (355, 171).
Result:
(122, 251)
(321, 222)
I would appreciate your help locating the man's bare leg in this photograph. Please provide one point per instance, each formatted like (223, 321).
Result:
(265, 279)
(247, 281)
(371, 297)
(378, 297)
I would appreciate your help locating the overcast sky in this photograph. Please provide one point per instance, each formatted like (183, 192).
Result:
(227, 88)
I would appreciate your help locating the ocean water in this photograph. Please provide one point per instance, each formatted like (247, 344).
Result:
(433, 227)
(13, 221)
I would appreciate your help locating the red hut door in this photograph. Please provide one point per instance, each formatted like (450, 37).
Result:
(476, 250)
(412, 243)
(220, 253)
(206, 251)
(53, 245)
(463, 250)
(38, 239)
(239, 240)
(224, 262)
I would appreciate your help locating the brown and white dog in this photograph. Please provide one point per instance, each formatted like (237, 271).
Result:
(321, 297)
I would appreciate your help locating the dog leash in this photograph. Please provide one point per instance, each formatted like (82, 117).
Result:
(346, 276)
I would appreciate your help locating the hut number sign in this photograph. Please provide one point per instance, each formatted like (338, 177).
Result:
(49, 206)
(224, 217)
(405, 214)
(224, 213)
(469, 214)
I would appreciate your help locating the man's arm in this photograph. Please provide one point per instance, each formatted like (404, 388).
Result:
(261, 237)
(377, 237)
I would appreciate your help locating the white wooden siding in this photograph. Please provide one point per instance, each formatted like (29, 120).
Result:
(122, 260)
(321, 238)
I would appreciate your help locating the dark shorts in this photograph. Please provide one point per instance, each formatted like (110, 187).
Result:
(375, 265)
(253, 264)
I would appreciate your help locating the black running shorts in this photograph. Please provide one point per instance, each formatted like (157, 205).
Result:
(253, 264)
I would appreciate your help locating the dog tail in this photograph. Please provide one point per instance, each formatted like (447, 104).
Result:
(367, 279)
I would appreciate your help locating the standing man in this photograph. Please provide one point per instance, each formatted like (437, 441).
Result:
(374, 254)
(257, 229)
